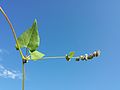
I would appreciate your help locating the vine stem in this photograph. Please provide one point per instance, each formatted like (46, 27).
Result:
(23, 76)
(82, 57)
(57, 57)
(13, 31)
(20, 51)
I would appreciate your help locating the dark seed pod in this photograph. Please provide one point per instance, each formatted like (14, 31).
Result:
(77, 59)
(97, 53)
(67, 58)
(82, 57)
(86, 56)
(94, 54)
(90, 56)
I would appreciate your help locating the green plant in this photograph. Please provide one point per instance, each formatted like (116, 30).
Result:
(30, 41)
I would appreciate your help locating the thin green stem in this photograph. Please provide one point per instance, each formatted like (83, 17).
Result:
(20, 51)
(13, 31)
(82, 57)
(23, 75)
(56, 57)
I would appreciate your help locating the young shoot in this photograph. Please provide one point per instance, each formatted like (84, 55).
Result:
(30, 40)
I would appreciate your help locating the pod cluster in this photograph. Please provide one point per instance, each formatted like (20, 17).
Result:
(88, 57)
(85, 57)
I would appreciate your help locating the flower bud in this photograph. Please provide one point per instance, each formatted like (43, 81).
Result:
(67, 58)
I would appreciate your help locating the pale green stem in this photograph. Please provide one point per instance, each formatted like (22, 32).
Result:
(15, 37)
(23, 75)
(13, 31)
(56, 57)
(82, 57)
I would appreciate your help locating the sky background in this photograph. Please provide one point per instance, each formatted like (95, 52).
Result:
(82, 26)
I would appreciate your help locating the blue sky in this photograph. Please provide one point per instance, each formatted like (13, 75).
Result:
(82, 26)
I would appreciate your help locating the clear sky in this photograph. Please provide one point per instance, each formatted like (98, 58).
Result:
(82, 26)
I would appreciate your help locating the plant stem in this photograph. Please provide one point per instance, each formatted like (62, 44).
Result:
(57, 57)
(20, 51)
(13, 31)
(23, 75)
(82, 57)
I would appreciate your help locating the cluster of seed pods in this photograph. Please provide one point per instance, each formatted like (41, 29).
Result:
(85, 57)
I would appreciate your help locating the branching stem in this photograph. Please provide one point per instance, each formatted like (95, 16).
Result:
(81, 57)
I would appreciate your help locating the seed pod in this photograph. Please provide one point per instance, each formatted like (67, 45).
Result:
(77, 59)
(86, 56)
(67, 58)
(90, 56)
(94, 54)
(82, 57)
(97, 53)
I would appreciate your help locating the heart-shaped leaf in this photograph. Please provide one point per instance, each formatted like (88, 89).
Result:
(30, 38)
(36, 55)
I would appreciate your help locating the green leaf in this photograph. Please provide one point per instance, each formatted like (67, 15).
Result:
(71, 54)
(36, 55)
(30, 38)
